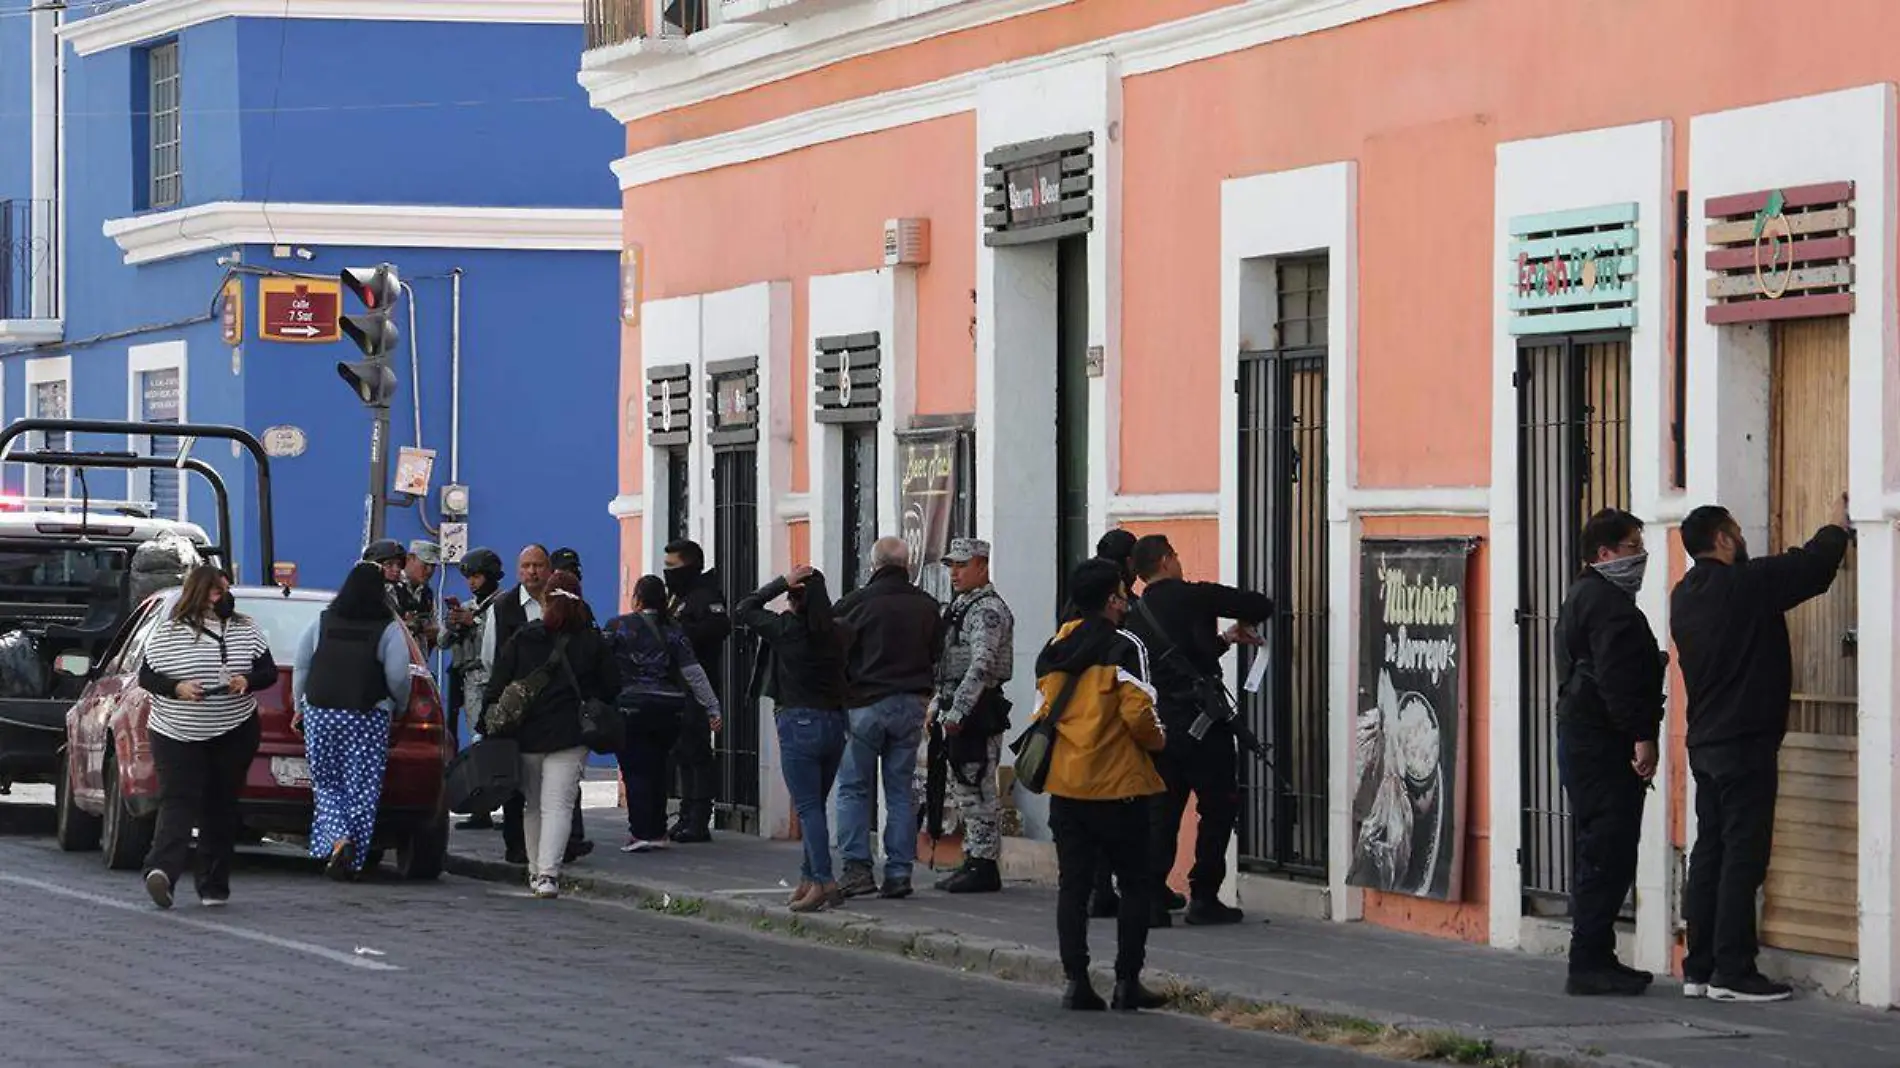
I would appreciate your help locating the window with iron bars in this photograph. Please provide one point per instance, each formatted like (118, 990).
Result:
(166, 164)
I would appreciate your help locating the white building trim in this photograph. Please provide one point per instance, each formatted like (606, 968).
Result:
(39, 372)
(1151, 507)
(158, 356)
(1264, 216)
(628, 505)
(1619, 165)
(1841, 136)
(1418, 500)
(636, 80)
(161, 18)
(167, 234)
(795, 508)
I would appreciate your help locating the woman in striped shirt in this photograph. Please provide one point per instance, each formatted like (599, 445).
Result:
(202, 665)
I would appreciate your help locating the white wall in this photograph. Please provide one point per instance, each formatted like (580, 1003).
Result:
(1831, 137)
(1609, 166)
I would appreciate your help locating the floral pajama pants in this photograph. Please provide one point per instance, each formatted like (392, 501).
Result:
(348, 752)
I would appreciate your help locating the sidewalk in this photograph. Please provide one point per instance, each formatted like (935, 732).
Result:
(1352, 970)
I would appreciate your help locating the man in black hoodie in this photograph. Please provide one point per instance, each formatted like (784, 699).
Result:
(1728, 616)
(1179, 621)
(699, 606)
(1609, 712)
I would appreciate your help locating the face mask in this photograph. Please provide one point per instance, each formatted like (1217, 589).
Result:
(1625, 572)
(678, 579)
(225, 608)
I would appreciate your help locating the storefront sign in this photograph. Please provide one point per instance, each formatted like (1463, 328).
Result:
(1409, 746)
(926, 495)
(733, 402)
(847, 378)
(669, 405)
(1038, 190)
(1571, 271)
(282, 442)
(1781, 253)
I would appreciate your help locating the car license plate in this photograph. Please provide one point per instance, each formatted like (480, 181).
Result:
(290, 771)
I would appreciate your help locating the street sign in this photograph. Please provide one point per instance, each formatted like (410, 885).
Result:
(413, 468)
(299, 310)
(454, 542)
(281, 442)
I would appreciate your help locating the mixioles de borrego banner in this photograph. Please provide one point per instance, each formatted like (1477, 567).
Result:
(1409, 746)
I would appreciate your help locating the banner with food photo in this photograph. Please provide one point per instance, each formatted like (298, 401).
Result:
(1409, 742)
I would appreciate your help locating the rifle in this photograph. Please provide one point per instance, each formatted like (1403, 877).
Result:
(936, 781)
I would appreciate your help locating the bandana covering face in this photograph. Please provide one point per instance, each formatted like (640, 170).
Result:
(1625, 572)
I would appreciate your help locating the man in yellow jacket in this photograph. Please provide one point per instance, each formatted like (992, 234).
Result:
(1101, 777)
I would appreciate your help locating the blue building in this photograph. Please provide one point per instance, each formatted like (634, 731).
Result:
(152, 150)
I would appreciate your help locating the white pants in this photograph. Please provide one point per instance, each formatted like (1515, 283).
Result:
(549, 782)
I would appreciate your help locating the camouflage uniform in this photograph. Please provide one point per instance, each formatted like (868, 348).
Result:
(978, 657)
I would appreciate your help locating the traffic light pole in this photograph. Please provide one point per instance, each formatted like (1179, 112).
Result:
(376, 504)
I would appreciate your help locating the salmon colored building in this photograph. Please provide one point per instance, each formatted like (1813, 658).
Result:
(1305, 284)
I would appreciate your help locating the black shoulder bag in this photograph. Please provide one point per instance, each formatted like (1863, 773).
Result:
(603, 727)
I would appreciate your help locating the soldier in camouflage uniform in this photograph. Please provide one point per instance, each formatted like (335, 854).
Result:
(971, 712)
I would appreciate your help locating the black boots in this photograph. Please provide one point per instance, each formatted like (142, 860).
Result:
(974, 877)
(1209, 912)
(1080, 996)
(1130, 995)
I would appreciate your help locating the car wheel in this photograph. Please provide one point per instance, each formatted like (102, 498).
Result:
(420, 855)
(127, 838)
(76, 829)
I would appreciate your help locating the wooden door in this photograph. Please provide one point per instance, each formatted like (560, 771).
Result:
(1811, 903)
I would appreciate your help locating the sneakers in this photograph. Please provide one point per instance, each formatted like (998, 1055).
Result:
(974, 877)
(1080, 996)
(1130, 996)
(215, 902)
(159, 885)
(1603, 982)
(1693, 989)
(1212, 913)
(544, 887)
(639, 845)
(858, 881)
(1752, 988)
(895, 889)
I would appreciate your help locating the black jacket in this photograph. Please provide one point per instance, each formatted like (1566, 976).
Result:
(553, 720)
(1732, 637)
(1190, 614)
(1609, 667)
(701, 613)
(897, 635)
(803, 665)
(507, 616)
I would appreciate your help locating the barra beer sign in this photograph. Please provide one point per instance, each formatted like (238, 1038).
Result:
(1781, 253)
(1409, 745)
(1571, 271)
(1039, 190)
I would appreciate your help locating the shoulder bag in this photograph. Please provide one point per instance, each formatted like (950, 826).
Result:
(653, 707)
(518, 696)
(1035, 746)
(603, 727)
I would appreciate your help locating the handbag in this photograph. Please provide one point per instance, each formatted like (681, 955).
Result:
(484, 776)
(518, 696)
(603, 727)
(1034, 747)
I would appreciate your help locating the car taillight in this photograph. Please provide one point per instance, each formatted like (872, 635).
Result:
(422, 719)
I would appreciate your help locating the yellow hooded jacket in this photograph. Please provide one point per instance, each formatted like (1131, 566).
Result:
(1109, 728)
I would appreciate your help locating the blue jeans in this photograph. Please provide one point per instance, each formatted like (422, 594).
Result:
(810, 748)
(889, 731)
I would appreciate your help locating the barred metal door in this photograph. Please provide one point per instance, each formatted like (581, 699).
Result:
(1283, 553)
(1573, 461)
(860, 503)
(736, 556)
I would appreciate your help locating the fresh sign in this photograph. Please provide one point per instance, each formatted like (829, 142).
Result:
(299, 310)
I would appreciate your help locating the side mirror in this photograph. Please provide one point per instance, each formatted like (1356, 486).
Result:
(78, 665)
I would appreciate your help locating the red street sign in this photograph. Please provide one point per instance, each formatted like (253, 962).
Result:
(298, 310)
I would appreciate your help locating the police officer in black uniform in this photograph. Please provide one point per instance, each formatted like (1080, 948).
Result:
(1179, 621)
(699, 606)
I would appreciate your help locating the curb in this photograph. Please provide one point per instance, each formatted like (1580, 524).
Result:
(1007, 961)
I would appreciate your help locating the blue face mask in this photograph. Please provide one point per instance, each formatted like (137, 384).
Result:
(1625, 572)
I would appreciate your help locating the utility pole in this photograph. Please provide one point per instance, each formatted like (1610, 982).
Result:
(372, 378)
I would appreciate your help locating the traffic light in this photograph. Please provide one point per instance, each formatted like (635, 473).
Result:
(374, 332)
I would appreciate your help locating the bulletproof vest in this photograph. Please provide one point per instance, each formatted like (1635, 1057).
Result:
(346, 671)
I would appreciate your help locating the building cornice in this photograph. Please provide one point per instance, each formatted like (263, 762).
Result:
(168, 234)
(1216, 33)
(158, 18)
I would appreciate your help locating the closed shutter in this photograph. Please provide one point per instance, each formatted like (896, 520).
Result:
(159, 403)
(50, 402)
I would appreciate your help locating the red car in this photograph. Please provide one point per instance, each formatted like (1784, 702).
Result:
(107, 794)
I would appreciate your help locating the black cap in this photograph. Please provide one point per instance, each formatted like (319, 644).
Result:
(1117, 545)
(565, 559)
(482, 561)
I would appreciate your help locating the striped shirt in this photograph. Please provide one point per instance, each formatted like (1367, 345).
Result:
(219, 653)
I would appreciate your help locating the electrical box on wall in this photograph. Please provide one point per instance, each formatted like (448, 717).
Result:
(906, 242)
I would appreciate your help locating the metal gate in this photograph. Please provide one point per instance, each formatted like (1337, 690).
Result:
(679, 497)
(1573, 461)
(1282, 441)
(860, 503)
(736, 555)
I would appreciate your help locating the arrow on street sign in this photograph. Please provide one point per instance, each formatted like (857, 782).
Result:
(299, 310)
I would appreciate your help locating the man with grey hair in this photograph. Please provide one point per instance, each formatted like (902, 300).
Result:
(896, 636)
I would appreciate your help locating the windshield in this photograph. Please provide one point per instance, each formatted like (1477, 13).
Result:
(283, 622)
(35, 573)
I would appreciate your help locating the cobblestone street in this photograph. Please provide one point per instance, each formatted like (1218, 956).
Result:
(300, 971)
